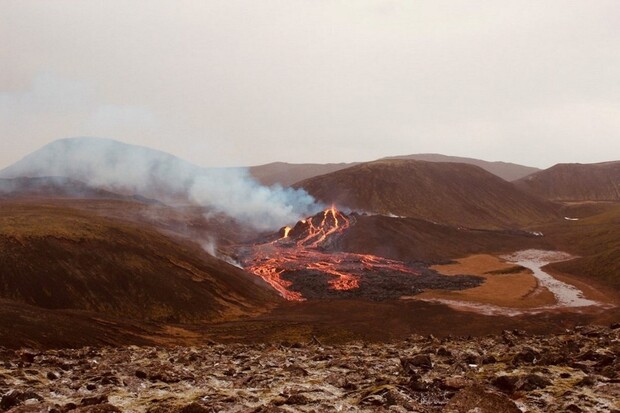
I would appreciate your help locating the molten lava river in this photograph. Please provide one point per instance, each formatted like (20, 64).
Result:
(303, 263)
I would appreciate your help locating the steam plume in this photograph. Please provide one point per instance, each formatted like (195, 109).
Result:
(138, 170)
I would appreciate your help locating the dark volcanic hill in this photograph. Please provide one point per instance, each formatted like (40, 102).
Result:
(595, 239)
(287, 174)
(413, 239)
(59, 257)
(576, 182)
(448, 193)
(59, 187)
(505, 170)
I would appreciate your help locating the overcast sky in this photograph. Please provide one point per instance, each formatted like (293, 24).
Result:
(224, 83)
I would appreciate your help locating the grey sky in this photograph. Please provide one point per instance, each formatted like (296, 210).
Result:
(247, 82)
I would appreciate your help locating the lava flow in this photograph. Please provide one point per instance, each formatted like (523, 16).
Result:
(303, 263)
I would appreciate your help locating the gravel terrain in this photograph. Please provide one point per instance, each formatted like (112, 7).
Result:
(576, 371)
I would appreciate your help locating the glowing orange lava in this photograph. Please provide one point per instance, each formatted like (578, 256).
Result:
(303, 249)
(286, 231)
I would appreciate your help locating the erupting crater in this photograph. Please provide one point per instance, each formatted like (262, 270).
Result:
(303, 262)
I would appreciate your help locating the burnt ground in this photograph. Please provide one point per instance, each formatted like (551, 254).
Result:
(577, 370)
(341, 321)
(332, 321)
(378, 284)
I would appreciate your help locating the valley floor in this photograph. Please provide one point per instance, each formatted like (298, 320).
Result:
(576, 371)
(518, 283)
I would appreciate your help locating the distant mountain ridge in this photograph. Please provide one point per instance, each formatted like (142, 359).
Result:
(449, 193)
(135, 170)
(287, 174)
(575, 182)
(79, 158)
(506, 170)
(59, 187)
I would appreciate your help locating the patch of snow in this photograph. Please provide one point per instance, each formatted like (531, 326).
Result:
(565, 294)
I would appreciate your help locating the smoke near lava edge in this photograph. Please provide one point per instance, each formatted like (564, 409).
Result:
(131, 169)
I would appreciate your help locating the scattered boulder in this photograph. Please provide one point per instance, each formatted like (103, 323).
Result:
(454, 383)
(15, 397)
(526, 356)
(141, 374)
(573, 408)
(195, 408)
(587, 381)
(531, 382)
(296, 371)
(421, 361)
(97, 408)
(480, 400)
(91, 401)
(38, 407)
(393, 397)
(423, 374)
(506, 383)
(297, 399)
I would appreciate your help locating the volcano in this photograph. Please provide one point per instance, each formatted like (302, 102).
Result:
(303, 262)
(448, 193)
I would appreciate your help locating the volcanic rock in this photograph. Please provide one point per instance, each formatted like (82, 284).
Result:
(358, 377)
(480, 400)
(527, 355)
(297, 399)
(97, 408)
(506, 383)
(16, 397)
(532, 382)
(195, 408)
(455, 383)
(422, 361)
(304, 263)
(90, 401)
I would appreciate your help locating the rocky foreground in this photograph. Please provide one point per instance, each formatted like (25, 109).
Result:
(577, 371)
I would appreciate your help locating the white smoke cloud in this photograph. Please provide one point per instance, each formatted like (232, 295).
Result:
(236, 193)
(138, 170)
(210, 246)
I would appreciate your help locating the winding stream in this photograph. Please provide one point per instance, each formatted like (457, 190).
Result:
(566, 295)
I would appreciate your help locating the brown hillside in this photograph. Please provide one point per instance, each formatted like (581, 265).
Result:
(595, 240)
(23, 325)
(57, 257)
(576, 182)
(286, 174)
(449, 193)
(505, 170)
(412, 239)
(195, 222)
